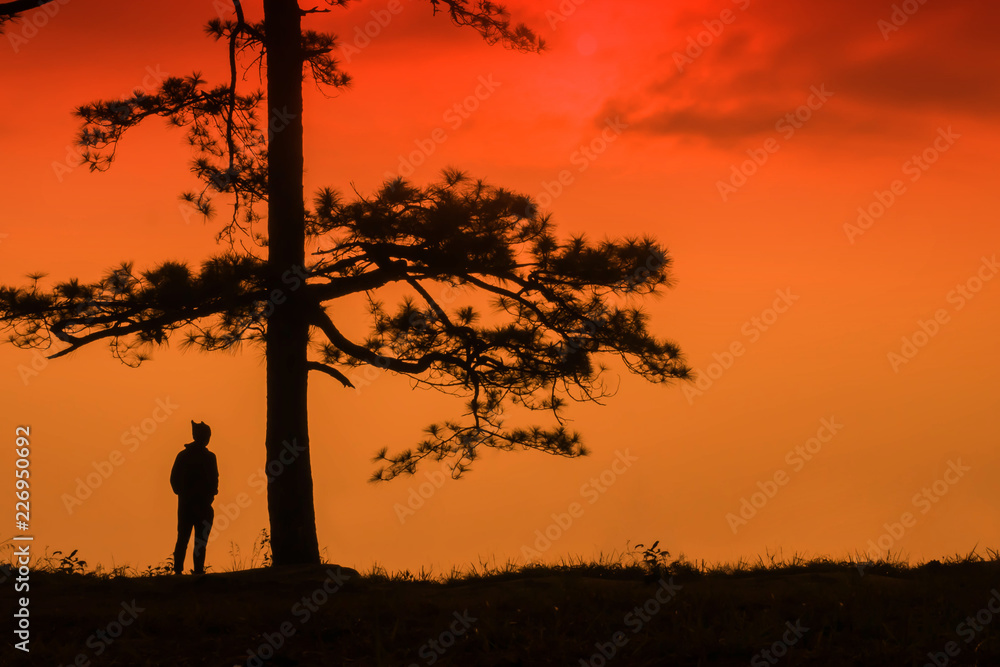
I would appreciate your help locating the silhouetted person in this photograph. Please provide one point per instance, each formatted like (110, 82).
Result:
(195, 480)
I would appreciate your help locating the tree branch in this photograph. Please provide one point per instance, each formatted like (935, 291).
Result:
(76, 342)
(331, 371)
(343, 286)
(233, 37)
(11, 9)
(322, 321)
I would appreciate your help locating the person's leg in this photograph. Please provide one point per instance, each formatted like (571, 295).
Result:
(206, 517)
(185, 525)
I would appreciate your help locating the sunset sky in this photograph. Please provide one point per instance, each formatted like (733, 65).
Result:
(823, 174)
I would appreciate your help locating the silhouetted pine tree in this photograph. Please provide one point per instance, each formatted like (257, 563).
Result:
(551, 312)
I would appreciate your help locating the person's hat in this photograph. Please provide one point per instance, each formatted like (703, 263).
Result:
(201, 431)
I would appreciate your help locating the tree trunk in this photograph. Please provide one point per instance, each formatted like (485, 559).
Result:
(289, 489)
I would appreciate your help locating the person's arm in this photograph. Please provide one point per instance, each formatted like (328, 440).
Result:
(175, 475)
(215, 476)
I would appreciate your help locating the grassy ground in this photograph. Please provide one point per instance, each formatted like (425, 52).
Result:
(657, 612)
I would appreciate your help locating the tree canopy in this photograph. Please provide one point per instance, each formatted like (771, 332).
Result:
(555, 301)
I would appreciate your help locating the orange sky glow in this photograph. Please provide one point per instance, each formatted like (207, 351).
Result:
(823, 175)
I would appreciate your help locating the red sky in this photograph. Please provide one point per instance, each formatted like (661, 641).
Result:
(912, 108)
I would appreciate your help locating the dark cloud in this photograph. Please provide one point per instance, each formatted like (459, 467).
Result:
(942, 59)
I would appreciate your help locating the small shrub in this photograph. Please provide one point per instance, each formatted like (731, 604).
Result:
(70, 563)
